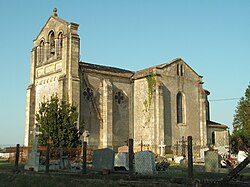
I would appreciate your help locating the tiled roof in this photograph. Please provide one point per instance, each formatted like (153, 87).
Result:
(106, 70)
(145, 72)
(216, 125)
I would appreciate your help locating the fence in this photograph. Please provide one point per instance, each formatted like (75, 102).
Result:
(186, 153)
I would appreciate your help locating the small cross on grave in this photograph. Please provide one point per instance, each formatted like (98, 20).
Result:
(144, 145)
(162, 146)
(177, 148)
(183, 146)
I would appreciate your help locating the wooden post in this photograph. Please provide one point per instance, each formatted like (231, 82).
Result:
(84, 158)
(190, 157)
(17, 156)
(131, 155)
(236, 170)
(47, 158)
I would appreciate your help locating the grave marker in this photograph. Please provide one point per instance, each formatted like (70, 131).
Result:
(145, 163)
(103, 159)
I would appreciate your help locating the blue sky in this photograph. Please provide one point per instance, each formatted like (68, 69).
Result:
(212, 36)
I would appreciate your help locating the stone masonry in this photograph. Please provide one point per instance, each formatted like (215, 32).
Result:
(162, 103)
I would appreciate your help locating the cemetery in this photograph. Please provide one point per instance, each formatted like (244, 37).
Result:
(117, 168)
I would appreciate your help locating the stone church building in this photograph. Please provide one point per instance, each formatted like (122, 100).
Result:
(159, 104)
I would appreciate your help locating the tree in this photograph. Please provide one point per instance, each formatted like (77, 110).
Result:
(241, 123)
(57, 121)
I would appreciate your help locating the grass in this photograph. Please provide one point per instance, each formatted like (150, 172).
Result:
(9, 178)
(41, 180)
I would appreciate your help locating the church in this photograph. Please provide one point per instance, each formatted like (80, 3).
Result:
(162, 104)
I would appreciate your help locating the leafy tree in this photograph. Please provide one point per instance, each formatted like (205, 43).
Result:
(57, 122)
(241, 123)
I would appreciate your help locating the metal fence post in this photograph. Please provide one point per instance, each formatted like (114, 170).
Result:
(190, 157)
(47, 157)
(84, 158)
(131, 155)
(17, 156)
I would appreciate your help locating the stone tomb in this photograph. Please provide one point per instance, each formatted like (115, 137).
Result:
(103, 159)
(145, 163)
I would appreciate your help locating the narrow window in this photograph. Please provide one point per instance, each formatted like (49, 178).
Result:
(177, 68)
(52, 42)
(182, 70)
(41, 52)
(213, 138)
(60, 43)
(180, 108)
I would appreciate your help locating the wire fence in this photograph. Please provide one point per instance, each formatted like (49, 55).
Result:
(182, 154)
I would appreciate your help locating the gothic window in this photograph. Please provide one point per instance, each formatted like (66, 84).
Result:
(87, 93)
(180, 108)
(52, 42)
(119, 97)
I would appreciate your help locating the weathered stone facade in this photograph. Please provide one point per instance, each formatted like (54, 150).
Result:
(163, 103)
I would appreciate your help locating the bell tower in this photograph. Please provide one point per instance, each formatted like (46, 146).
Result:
(54, 67)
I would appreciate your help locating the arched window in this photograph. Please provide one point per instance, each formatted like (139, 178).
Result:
(180, 108)
(52, 42)
(60, 38)
(213, 138)
(41, 52)
(60, 43)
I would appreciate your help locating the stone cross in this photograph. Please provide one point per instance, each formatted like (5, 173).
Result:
(183, 146)
(34, 144)
(85, 135)
(161, 148)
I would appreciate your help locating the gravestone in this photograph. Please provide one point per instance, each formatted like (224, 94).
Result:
(212, 161)
(64, 163)
(145, 163)
(33, 160)
(123, 149)
(184, 162)
(122, 159)
(177, 159)
(202, 153)
(103, 159)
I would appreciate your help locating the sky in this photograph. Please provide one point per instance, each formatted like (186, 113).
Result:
(212, 36)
